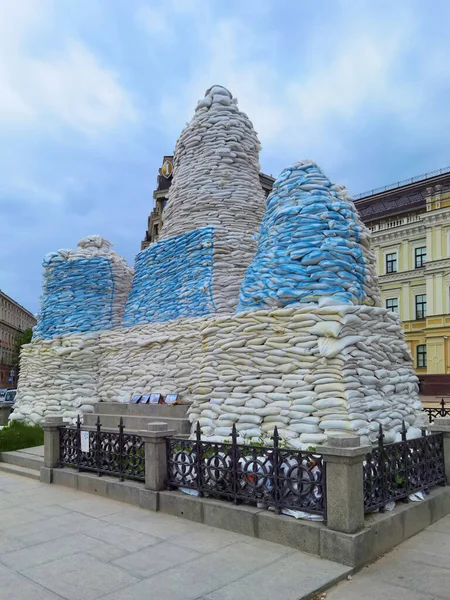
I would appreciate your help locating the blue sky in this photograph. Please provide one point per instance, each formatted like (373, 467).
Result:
(94, 92)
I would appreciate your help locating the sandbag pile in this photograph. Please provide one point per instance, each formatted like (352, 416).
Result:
(312, 245)
(84, 290)
(172, 279)
(58, 377)
(312, 371)
(157, 357)
(216, 184)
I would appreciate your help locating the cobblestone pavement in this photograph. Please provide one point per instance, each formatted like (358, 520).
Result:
(61, 543)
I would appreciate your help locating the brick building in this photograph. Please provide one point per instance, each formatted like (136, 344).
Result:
(14, 319)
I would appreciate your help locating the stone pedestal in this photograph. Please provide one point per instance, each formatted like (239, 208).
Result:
(345, 484)
(156, 455)
(51, 441)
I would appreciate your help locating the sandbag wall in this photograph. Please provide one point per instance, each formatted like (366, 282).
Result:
(312, 371)
(58, 377)
(84, 290)
(172, 279)
(159, 357)
(216, 184)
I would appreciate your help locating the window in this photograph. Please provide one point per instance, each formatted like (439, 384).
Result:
(391, 262)
(392, 304)
(420, 256)
(421, 356)
(421, 306)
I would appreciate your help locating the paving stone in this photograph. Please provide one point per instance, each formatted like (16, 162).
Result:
(16, 587)
(49, 551)
(121, 537)
(155, 559)
(363, 588)
(298, 576)
(204, 575)
(411, 575)
(93, 507)
(80, 577)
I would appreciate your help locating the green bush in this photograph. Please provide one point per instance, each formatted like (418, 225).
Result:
(16, 436)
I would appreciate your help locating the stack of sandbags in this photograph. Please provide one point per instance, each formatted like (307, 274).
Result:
(312, 371)
(172, 279)
(312, 245)
(58, 377)
(84, 290)
(216, 183)
(155, 358)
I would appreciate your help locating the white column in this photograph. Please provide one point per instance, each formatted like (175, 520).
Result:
(405, 303)
(430, 295)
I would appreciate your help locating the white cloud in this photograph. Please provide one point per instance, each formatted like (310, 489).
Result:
(154, 21)
(70, 86)
(337, 74)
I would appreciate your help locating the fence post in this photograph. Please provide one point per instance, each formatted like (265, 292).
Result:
(443, 426)
(51, 441)
(345, 483)
(154, 438)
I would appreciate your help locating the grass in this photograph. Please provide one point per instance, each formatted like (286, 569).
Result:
(16, 436)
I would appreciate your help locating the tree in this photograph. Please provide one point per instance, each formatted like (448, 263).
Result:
(23, 338)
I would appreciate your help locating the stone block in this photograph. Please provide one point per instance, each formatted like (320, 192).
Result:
(124, 491)
(416, 517)
(66, 477)
(225, 515)
(149, 499)
(439, 503)
(46, 475)
(302, 535)
(352, 549)
(181, 505)
(92, 484)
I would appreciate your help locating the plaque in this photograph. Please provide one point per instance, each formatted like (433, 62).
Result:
(155, 398)
(135, 399)
(144, 399)
(171, 398)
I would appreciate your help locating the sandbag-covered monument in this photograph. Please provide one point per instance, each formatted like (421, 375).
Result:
(257, 313)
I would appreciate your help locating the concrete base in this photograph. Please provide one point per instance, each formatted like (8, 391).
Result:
(381, 532)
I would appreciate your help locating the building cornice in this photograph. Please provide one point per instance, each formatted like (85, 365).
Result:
(438, 216)
(397, 233)
(403, 276)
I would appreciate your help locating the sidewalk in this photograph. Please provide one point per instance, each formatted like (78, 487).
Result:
(58, 543)
(419, 569)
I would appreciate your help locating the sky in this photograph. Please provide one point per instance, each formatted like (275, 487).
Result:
(93, 93)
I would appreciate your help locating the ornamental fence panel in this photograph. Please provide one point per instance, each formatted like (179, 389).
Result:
(115, 453)
(275, 477)
(393, 472)
(435, 412)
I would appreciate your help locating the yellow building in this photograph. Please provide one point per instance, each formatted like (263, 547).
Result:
(410, 225)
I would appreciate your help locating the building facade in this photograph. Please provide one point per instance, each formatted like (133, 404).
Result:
(410, 225)
(164, 181)
(14, 320)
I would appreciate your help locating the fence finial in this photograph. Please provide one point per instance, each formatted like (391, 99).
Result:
(380, 435)
(403, 431)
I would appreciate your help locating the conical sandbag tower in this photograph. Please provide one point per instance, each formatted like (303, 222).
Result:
(216, 184)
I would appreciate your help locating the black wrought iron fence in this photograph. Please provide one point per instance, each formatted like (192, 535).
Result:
(274, 476)
(434, 412)
(106, 452)
(395, 471)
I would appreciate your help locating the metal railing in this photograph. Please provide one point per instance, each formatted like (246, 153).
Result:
(395, 471)
(433, 412)
(276, 477)
(399, 184)
(118, 454)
